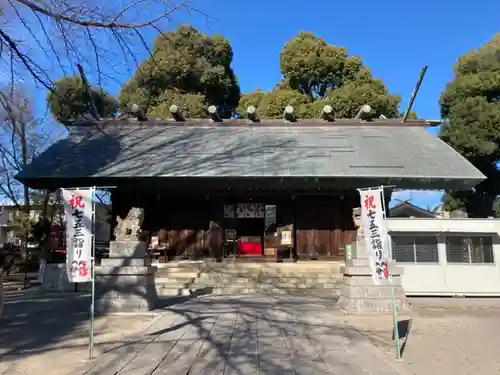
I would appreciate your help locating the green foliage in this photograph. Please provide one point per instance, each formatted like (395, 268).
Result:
(22, 225)
(348, 99)
(273, 103)
(189, 62)
(311, 65)
(191, 105)
(411, 115)
(316, 73)
(72, 103)
(251, 99)
(283, 84)
(496, 207)
(471, 106)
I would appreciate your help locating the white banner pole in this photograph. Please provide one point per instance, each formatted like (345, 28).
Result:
(92, 271)
(80, 220)
(393, 288)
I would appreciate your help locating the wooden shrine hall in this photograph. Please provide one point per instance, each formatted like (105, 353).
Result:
(255, 180)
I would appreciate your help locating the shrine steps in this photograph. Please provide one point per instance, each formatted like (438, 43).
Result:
(320, 279)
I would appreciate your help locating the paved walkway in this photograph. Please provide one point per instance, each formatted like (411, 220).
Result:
(243, 335)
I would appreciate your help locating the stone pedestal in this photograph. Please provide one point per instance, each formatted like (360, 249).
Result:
(55, 279)
(125, 281)
(360, 295)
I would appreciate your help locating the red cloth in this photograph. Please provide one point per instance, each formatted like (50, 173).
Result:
(249, 248)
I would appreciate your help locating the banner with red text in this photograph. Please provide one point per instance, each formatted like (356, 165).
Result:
(78, 209)
(375, 232)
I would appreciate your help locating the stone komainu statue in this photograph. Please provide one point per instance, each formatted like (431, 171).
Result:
(358, 222)
(130, 227)
(215, 240)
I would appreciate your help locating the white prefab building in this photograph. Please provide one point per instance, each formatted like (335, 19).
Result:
(447, 256)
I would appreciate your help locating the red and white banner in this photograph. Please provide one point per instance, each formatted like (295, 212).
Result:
(78, 208)
(375, 232)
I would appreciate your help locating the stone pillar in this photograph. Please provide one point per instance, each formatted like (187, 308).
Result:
(125, 281)
(358, 293)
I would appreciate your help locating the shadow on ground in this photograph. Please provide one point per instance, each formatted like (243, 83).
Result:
(32, 320)
(196, 339)
(240, 335)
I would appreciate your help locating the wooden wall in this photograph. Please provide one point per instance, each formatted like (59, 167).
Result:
(183, 223)
(180, 222)
(323, 224)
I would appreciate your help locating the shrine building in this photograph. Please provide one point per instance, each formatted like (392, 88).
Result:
(251, 178)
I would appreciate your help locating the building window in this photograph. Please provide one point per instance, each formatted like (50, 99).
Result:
(415, 249)
(469, 249)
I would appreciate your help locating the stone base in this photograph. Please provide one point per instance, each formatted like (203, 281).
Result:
(127, 249)
(360, 295)
(125, 282)
(55, 279)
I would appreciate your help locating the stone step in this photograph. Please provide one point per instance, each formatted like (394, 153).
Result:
(168, 292)
(177, 275)
(245, 283)
(270, 276)
(289, 281)
(162, 273)
(205, 280)
(264, 276)
(272, 273)
(125, 262)
(171, 292)
(288, 284)
(172, 281)
(175, 269)
(186, 279)
(268, 290)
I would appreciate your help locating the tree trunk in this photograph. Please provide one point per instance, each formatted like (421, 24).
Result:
(27, 208)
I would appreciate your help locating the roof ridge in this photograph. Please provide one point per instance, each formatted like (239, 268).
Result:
(262, 123)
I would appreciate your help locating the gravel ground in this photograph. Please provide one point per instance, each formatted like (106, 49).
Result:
(446, 336)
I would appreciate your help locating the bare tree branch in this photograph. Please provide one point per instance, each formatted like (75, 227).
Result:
(102, 24)
(40, 39)
(70, 32)
(27, 62)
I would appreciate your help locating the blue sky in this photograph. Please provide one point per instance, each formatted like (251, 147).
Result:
(395, 39)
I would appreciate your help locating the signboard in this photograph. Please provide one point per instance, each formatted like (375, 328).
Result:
(78, 209)
(231, 235)
(250, 211)
(375, 233)
(155, 242)
(269, 215)
(286, 237)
